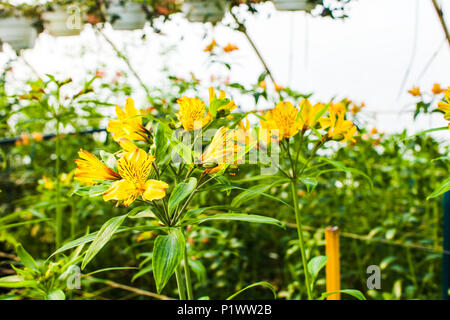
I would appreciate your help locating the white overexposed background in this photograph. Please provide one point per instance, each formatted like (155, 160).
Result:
(364, 57)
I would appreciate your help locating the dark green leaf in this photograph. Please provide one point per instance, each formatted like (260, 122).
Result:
(167, 254)
(103, 236)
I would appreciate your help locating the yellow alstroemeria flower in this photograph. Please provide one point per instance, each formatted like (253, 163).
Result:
(128, 123)
(227, 147)
(338, 107)
(230, 106)
(415, 92)
(90, 169)
(349, 134)
(338, 128)
(282, 118)
(134, 168)
(308, 113)
(126, 145)
(192, 113)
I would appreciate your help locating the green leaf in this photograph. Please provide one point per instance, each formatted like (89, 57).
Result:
(160, 143)
(443, 187)
(315, 265)
(103, 236)
(251, 193)
(56, 294)
(90, 191)
(110, 269)
(225, 188)
(355, 293)
(75, 243)
(425, 132)
(16, 282)
(167, 254)
(261, 283)
(26, 258)
(141, 272)
(309, 182)
(341, 167)
(199, 269)
(147, 213)
(181, 149)
(181, 192)
(216, 104)
(239, 217)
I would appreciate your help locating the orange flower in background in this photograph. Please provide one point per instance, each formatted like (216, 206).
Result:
(415, 92)
(437, 89)
(99, 74)
(25, 139)
(230, 47)
(278, 88)
(374, 131)
(262, 84)
(128, 123)
(47, 183)
(357, 108)
(37, 136)
(210, 47)
(91, 170)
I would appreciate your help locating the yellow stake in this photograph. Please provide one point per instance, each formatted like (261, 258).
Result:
(333, 267)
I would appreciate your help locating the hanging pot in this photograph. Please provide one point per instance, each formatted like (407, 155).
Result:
(294, 5)
(18, 32)
(63, 22)
(129, 16)
(204, 10)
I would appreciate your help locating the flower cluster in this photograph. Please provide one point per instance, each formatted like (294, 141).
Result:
(227, 49)
(285, 121)
(133, 166)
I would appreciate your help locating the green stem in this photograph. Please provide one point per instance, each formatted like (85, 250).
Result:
(187, 275)
(300, 237)
(73, 219)
(58, 222)
(180, 283)
(313, 153)
(299, 148)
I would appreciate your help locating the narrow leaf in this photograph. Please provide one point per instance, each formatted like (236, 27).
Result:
(26, 258)
(104, 235)
(181, 192)
(239, 217)
(261, 283)
(167, 254)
